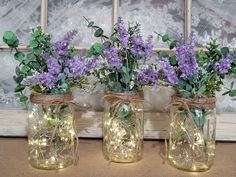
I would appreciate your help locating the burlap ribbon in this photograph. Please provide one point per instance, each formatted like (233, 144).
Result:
(58, 101)
(198, 102)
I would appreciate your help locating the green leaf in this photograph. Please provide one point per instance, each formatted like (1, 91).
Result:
(25, 69)
(202, 89)
(97, 48)
(37, 31)
(35, 65)
(38, 51)
(189, 87)
(173, 44)
(224, 51)
(165, 38)
(17, 70)
(173, 60)
(23, 98)
(18, 79)
(33, 44)
(232, 85)
(20, 56)
(10, 39)
(98, 32)
(90, 24)
(30, 58)
(226, 93)
(19, 88)
(232, 93)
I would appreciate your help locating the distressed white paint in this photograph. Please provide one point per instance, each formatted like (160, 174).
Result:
(14, 123)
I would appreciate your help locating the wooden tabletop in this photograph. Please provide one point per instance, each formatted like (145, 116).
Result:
(13, 162)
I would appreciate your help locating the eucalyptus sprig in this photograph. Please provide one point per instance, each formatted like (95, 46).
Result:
(30, 62)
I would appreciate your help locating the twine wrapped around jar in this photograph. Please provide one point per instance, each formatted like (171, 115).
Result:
(117, 98)
(58, 101)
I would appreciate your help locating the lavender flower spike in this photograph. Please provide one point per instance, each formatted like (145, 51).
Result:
(168, 70)
(113, 58)
(224, 64)
(53, 66)
(138, 45)
(148, 48)
(148, 76)
(186, 58)
(61, 46)
(47, 80)
(122, 33)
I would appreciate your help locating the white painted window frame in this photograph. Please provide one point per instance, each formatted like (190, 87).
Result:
(14, 122)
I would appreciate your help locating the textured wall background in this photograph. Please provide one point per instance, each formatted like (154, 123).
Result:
(209, 18)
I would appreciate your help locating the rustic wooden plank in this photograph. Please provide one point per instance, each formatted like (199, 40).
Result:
(89, 125)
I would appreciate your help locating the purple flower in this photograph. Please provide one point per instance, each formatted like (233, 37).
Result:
(148, 76)
(77, 67)
(47, 79)
(31, 80)
(92, 63)
(123, 34)
(53, 66)
(186, 58)
(141, 49)
(168, 70)
(224, 64)
(148, 47)
(112, 56)
(61, 46)
(137, 48)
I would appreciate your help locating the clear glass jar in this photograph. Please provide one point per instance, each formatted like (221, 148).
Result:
(123, 130)
(192, 138)
(51, 137)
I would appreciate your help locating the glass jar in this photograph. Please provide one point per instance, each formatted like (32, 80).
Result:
(192, 138)
(123, 127)
(52, 141)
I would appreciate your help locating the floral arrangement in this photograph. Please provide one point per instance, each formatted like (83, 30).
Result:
(192, 73)
(122, 57)
(49, 67)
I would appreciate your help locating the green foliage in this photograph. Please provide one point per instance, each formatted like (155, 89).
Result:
(95, 49)
(10, 39)
(31, 62)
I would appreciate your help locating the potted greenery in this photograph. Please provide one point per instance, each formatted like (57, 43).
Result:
(122, 71)
(195, 76)
(49, 70)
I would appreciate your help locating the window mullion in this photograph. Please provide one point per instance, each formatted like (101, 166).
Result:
(44, 15)
(187, 19)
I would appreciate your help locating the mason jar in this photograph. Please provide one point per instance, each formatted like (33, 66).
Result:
(52, 141)
(123, 127)
(192, 136)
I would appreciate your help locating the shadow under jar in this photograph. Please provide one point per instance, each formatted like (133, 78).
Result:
(52, 141)
(123, 127)
(192, 134)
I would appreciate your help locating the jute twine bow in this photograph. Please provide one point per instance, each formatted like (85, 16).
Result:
(116, 99)
(198, 102)
(58, 101)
